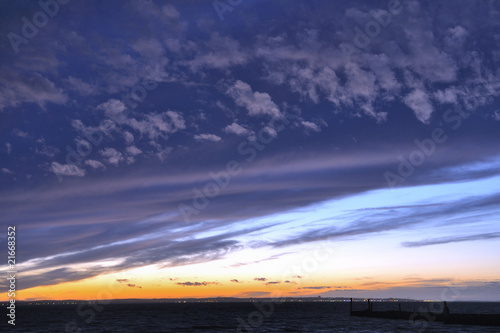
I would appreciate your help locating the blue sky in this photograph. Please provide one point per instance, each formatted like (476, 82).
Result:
(195, 134)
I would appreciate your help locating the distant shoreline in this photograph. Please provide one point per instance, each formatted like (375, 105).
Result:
(231, 300)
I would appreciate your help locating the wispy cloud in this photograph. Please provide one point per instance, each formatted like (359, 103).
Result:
(207, 137)
(196, 284)
(316, 287)
(261, 279)
(452, 239)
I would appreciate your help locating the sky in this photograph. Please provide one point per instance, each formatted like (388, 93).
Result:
(251, 148)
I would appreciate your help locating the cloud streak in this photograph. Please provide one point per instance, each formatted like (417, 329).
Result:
(452, 239)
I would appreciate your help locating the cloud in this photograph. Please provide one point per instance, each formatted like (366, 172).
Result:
(129, 137)
(456, 37)
(256, 103)
(448, 95)
(19, 133)
(316, 288)
(237, 129)
(260, 279)
(150, 49)
(108, 126)
(113, 109)
(196, 284)
(311, 126)
(8, 147)
(134, 151)
(235, 281)
(427, 59)
(271, 131)
(162, 153)
(111, 156)
(496, 115)
(177, 120)
(48, 151)
(452, 239)
(80, 86)
(273, 257)
(142, 240)
(66, 170)
(248, 294)
(170, 12)
(17, 88)
(95, 164)
(87, 247)
(155, 125)
(125, 282)
(207, 137)
(272, 282)
(419, 102)
(7, 171)
(218, 53)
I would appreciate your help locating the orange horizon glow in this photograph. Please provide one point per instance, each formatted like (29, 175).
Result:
(106, 288)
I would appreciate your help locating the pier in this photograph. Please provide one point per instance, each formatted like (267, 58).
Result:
(445, 316)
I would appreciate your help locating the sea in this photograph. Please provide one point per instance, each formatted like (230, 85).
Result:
(233, 317)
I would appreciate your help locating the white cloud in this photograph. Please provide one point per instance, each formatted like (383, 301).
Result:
(129, 137)
(113, 109)
(20, 133)
(456, 36)
(153, 125)
(256, 103)
(134, 151)
(177, 120)
(67, 170)
(49, 151)
(80, 86)
(311, 126)
(446, 96)
(8, 147)
(496, 115)
(312, 82)
(427, 59)
(150, 49)
(220, 53)
(237, 129)
(272, 132)
(361, 83)
(163, 153)
(156, 125)
(7, 171)
(95, 164)
(112, 156)
(130, 160)
(418, 101)
(380, 64)
(108, 126)
(83, 145)
(33, 88)
(207, 137)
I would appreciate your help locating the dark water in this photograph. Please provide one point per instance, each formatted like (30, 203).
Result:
(231, 317)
